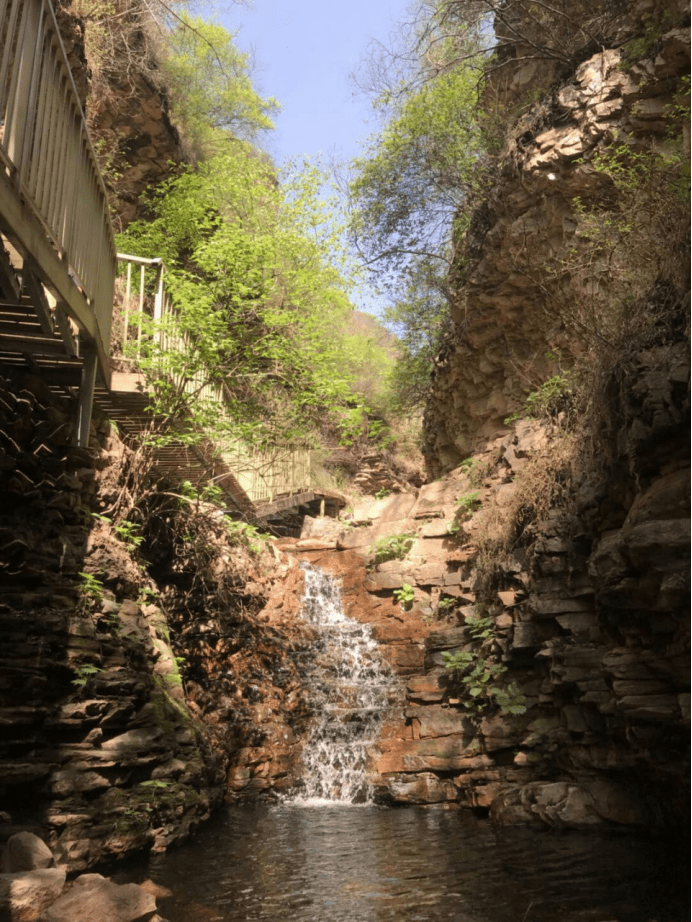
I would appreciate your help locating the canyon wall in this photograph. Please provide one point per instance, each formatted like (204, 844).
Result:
(136, 694)
(585, 515)
(589, 616)
(521, 310)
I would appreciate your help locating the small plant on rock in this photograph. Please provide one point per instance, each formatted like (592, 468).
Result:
(129, 533)
(446, 605)
(392, 547)
(404, 596)
(477, 674)
(468, 503)
(91, 591)
(84, 672)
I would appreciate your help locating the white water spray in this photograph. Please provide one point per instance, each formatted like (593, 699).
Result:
(352, 689)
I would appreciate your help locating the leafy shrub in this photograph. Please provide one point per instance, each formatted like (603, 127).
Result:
(391, 547)
(477, 674)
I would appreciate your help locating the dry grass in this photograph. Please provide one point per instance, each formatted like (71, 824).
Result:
(541, 487)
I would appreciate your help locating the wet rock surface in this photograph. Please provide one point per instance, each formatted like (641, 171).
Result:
(589, 618)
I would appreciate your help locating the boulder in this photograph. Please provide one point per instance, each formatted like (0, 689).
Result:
(93, 898)
(24, 896)
(26, 852)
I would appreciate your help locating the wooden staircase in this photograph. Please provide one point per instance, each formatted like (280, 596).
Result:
(34, 334)
(127, 405)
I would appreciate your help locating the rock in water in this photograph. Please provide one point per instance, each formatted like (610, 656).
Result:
(96, 899)
(25, 896)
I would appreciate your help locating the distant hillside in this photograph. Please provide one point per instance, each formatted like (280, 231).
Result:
(368, 325)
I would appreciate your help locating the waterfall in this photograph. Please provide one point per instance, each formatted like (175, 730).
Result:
(352, 688)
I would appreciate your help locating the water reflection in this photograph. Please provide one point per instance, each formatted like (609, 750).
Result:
(369, 864)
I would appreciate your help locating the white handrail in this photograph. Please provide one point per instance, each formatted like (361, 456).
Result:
(262, 474)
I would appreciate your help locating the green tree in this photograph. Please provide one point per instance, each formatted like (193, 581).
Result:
(208, 82)
(416, 175)
(419, 315)
(262, 311)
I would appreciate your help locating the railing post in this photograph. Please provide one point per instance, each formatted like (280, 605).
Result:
(141, 311)
(128, 290)
(86, 395)
(158, 304)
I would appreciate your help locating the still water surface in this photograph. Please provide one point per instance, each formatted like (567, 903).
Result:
(338, 863)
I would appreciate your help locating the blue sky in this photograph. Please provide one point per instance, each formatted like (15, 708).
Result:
(305, 50)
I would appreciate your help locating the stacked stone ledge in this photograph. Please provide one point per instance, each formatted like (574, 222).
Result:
(73, 759)
(590, 624)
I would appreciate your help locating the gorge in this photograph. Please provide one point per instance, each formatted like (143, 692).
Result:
(467, 698)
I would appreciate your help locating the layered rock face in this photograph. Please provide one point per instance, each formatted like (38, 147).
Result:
(98, 751)
(125, 104)
(590, 607)
(588, 614)
(509, 322)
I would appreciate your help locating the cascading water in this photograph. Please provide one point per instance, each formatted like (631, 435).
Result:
(352, 689)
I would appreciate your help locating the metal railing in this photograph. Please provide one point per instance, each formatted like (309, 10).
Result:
(141, 297)
(52, 198)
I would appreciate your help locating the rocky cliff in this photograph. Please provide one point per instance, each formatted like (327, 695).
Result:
(538, 286)
(585, 609)
(580, 555)
(114, 65)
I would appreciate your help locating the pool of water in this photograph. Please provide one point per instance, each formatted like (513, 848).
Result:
(339, 863)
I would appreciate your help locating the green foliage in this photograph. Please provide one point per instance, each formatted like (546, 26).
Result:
(391, 547)
(91, 590)
(208, 83)
(419, 315)
(646, 45)
(356, 425)
(247, 535)
(412, 193)
(405, 595)
(129, 533)
(261, 308)
(418, 172)
(84, 672)
(480, 627)
(147, 596)
(205, 493)
(477, 674)
(549, 397)
(468, 503)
